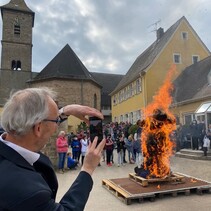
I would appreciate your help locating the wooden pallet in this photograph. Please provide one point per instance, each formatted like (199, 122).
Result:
(123, 193)
(175, 177)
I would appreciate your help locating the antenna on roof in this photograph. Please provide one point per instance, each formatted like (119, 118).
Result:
(155, 24)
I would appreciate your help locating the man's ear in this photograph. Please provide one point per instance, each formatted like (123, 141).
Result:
(37, 129)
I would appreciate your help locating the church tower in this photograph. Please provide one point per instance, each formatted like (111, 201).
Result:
(16, 54)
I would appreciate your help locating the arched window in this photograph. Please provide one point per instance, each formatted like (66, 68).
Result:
(126, 118)
(121, 118)
(115, 119)
(13, 65)
(18, 65)
(131, 117)
(95, 101)
(138, 114)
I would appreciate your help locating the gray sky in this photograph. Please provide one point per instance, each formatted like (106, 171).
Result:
(108, 35)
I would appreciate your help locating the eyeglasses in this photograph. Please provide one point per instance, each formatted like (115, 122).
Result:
(57, 121)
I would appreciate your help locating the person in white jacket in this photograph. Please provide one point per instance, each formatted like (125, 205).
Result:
(84, 146)
(206, 145)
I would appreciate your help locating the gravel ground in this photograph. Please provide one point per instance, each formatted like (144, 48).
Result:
(101, 199)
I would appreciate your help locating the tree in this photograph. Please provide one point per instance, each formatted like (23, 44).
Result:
(82, 126)
(133, 129)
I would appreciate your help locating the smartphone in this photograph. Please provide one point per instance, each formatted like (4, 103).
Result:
(96, 128)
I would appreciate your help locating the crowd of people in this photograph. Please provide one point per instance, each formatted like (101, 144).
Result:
(79, 145)
(194, 136)
(125, 145)
(121, 144)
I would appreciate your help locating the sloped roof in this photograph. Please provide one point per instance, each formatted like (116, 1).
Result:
(108, 83)
(18, 5)
(65, 65)
(149, 55)
(192, 83)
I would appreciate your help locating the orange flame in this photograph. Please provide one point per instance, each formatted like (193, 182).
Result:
(157, 146)
(158, 186)
(193, 180)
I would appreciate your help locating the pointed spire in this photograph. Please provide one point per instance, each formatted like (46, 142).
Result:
(17, 5)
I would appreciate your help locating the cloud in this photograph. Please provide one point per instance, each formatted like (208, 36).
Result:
(108, 35)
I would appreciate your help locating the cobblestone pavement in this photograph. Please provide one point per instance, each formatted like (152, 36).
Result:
(102, 200)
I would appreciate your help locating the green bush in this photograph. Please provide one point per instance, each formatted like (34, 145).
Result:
(133, 129)
(82, 126)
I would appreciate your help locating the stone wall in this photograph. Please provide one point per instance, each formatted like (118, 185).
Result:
(11, 81)
(73, 91)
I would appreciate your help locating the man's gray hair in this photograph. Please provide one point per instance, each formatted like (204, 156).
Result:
(25, 108)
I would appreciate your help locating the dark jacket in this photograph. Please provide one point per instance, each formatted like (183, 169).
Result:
(137, 146)
(26, 187)
(120, 145)
(194, 130)
(76, 145)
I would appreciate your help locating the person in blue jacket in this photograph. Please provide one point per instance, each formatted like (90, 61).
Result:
(27, 178)
(76, 148)
(71, 163)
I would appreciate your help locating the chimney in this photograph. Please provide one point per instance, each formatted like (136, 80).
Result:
(160, 33)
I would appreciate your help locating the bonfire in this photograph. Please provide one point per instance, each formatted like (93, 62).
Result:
(157, 127)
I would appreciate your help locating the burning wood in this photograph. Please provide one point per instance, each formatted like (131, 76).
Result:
(193, 180)
(157, 127)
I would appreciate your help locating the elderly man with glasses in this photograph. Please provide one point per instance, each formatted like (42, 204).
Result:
(27, 179)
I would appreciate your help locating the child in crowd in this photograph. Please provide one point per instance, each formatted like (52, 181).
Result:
(71, 163)
(120, 146)
(109, 149)
(129, 147)
(206, 145)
